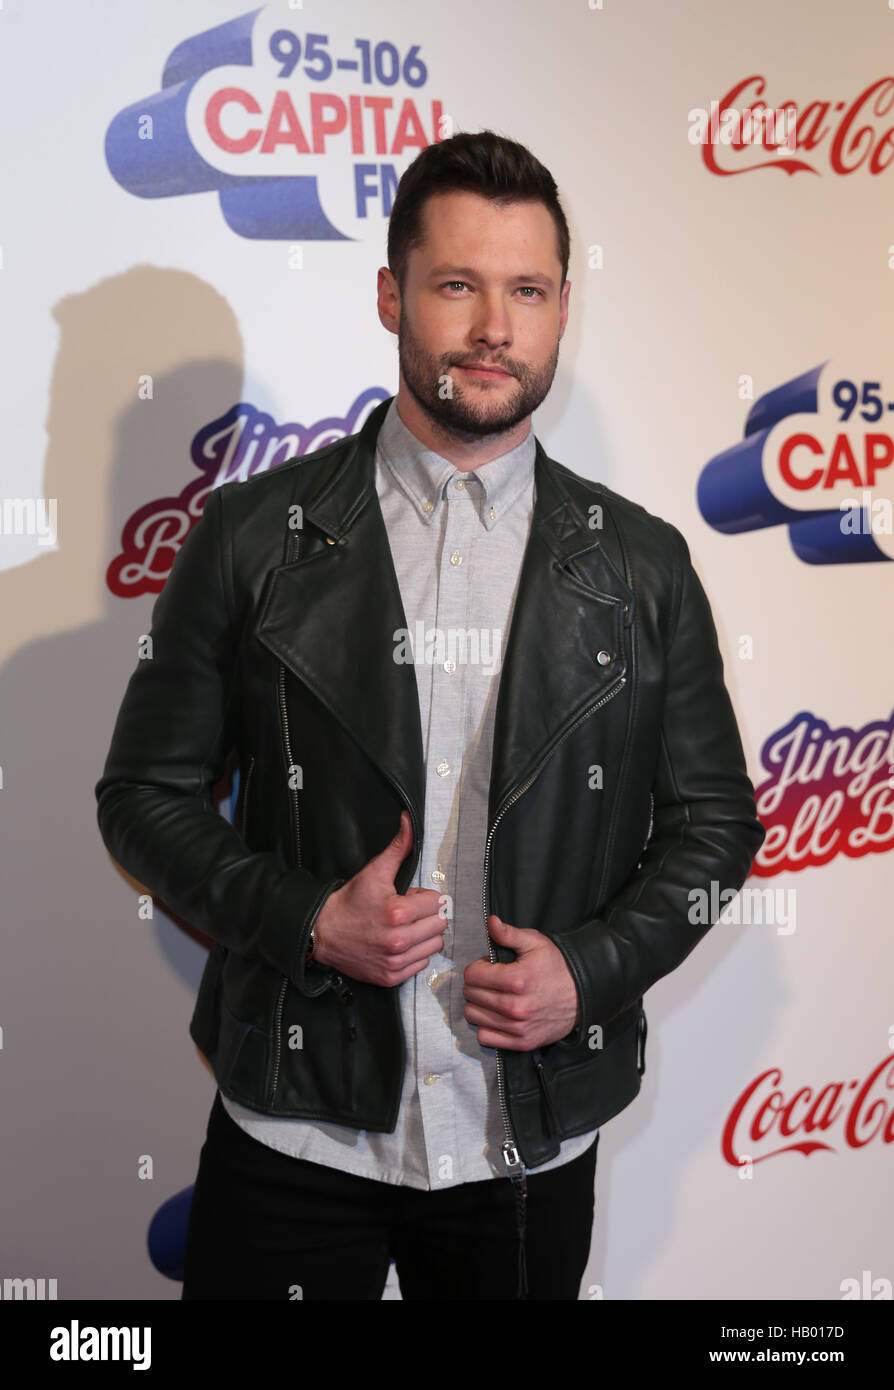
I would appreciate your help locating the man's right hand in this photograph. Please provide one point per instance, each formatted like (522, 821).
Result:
(373, 933)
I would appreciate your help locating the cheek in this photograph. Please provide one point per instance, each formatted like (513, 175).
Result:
(444, 327)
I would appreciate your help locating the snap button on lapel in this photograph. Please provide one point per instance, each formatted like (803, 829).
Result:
(603, 658)
(330, 541)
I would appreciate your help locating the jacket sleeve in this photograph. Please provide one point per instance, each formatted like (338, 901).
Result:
(173, 734)
(705, 828)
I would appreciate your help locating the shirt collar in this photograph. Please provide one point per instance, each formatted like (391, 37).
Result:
(424, 475)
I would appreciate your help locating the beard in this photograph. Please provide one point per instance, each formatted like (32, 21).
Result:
(474, 411)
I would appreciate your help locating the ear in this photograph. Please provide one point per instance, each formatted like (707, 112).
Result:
(388, 300)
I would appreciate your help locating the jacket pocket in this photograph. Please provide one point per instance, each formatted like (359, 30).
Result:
(315, 1063)
(551, 1123)
(240, 1057)
(346, 999)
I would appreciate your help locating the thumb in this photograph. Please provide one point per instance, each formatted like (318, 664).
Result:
(396, 851)
(505, 931)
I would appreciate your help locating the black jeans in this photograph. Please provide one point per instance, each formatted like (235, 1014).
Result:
(265, 1225)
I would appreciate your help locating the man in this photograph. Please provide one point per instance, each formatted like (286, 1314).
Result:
(486, 753)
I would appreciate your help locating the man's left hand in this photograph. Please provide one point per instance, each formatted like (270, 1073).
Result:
(528, 1003)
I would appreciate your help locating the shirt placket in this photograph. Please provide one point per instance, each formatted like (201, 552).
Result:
(438, 984)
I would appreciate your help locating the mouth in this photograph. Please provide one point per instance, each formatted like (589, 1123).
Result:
(484, 369)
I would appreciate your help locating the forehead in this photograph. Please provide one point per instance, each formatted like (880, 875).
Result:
(461, 224)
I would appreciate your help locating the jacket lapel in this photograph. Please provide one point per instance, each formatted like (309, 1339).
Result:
(566, 647)
(331, 616)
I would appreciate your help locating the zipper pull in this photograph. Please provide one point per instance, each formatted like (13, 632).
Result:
(513, 1162)
(512, 1158)
(641, 1028)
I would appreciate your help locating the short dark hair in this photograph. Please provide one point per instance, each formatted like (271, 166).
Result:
(484, 163)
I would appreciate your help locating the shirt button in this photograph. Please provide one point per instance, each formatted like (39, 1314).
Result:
(450, 667)
(459, 484)
(456, 558)
(437, 875)
(427, 506)
(492, 514)
(430, 1078)
(443, 768)
(431, 979)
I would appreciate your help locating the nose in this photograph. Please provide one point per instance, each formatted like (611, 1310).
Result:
(491, 325)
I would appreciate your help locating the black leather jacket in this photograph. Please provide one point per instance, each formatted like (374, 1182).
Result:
(618, 782)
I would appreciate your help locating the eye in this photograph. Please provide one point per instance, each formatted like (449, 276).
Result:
(529, 291)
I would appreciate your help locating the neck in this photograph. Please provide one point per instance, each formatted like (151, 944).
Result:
(465, 452)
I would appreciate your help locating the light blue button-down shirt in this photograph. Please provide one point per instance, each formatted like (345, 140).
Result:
(457, 539)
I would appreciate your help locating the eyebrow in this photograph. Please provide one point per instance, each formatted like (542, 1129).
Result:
(467, 272)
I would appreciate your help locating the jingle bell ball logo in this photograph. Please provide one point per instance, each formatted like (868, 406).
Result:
(242, 443)
(302, 134)
(818, 459)
(826, 792)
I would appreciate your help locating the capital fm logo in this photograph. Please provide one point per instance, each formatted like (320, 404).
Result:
(817, 459)
(303, 135)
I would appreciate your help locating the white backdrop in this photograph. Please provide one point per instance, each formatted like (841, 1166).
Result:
(152, 281)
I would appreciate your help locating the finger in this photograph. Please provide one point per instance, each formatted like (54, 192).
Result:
(408, 931)
(410, 936)
(496, 1000)
(424, 902)
(490, 1037)
(484, 974)
(491, 1018)
(417, 956)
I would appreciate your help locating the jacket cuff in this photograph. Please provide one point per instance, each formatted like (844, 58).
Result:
(584, 954)
(312, 979)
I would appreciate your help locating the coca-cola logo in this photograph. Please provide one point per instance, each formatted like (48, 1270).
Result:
(827, 792)
(844, 135)
(766, 1121)
(236, 446)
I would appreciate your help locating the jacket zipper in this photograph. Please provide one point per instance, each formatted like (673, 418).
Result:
(552, 1122)
(251, 768)
(277, 1023)
(287, 744)
(641, 1024)
(649, 831)
(509, 1147)
(343, 993)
